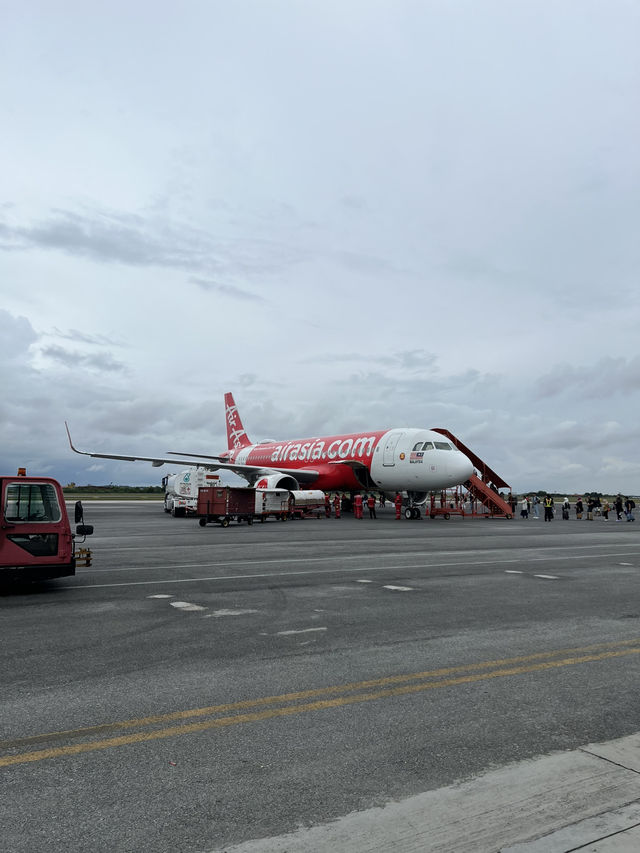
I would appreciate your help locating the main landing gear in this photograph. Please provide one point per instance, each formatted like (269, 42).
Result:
(412, 512)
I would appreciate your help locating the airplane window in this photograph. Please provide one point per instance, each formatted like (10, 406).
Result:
(428, 445)
(417, 446)
(442, 445)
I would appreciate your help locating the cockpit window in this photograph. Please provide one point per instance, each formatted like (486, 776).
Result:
(443, 445)
(417, 446)
(428, 445)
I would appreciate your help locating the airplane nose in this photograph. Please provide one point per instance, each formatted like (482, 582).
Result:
(460, 467)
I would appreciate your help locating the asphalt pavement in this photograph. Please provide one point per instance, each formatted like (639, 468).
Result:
(432, 685)
(584, 800)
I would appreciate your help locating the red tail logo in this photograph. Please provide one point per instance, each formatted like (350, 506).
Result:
(236, 435)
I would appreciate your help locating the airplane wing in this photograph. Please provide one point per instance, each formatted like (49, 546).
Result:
(249, 472)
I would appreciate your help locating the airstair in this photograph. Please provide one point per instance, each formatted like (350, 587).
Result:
(483, 484)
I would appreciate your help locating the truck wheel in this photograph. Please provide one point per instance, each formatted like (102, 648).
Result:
(446, 516)
(249, 521)
(224, 522)
(202, 522)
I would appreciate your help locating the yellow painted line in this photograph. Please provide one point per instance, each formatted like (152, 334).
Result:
(270, 713)
(308, 694)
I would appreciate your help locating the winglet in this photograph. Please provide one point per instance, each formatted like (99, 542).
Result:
(66, 426)
(236, 435)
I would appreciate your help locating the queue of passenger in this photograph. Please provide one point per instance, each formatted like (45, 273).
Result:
(529, 507)
(593, 504)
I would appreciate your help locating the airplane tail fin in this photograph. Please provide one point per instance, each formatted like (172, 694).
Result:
(236, 435)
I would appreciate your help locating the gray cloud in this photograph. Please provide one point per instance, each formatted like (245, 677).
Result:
(78, 360)
(16, 336)
(434, 228)
(83, 337)
(228, 290)
(601, 380)
(141, 241)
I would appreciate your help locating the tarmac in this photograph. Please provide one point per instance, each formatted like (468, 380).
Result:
(584, 800)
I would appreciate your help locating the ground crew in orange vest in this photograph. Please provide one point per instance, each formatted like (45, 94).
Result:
(357, 506)
(398, 505)
(336, 505)
(371, 505)
(327, 505)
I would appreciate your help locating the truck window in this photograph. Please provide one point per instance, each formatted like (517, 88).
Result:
(31, 502)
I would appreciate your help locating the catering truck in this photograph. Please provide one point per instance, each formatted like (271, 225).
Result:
(181, 490)
(36, 542)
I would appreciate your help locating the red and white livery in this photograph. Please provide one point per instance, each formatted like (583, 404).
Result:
(405, 459)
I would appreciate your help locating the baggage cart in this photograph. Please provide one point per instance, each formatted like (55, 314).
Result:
(223, 504)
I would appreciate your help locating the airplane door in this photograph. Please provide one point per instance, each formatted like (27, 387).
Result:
(388, 455)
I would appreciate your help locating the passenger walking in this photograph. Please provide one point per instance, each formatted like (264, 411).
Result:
(548, 508)
(398, 505)
(590, 505)
(371, 505)
(579, 508)
(566, 506)
(536, 506)
(618, 506)
(524, 508)
(357, 506)
(629, 506)
(605, 510)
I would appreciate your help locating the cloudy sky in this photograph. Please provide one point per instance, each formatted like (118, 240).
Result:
(353, 215)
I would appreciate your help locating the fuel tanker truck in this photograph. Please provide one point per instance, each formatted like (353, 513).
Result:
(181, 490)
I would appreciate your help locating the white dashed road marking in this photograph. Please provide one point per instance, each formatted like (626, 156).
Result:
(186, 606)
(548, 577)
(399, 588)
(302, 631)
(159, 596)
(218, 613)
(513, 572)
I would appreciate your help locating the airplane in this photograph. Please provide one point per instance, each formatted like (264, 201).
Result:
(405, 459)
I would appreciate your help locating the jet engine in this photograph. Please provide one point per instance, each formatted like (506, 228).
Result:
(417, 498)
(277, 481)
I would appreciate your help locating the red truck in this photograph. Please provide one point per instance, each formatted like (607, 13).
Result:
(36, 542)
(224, 504)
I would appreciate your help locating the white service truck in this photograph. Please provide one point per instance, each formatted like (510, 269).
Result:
(181, 490)
(272, 502)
